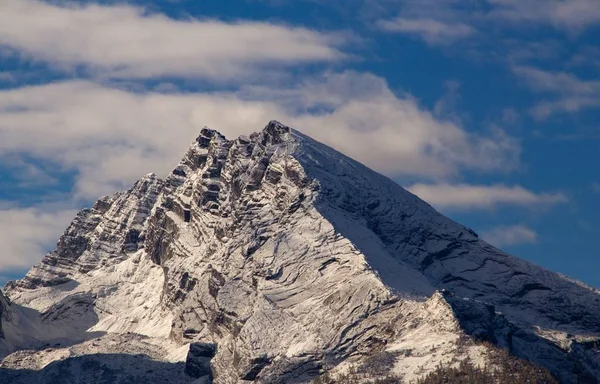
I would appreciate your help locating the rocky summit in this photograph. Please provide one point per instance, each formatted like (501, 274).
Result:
(275, 259)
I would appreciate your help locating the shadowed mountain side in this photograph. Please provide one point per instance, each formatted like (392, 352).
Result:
(63, 324)
(418, 250)
(100, 369)
(483, 323)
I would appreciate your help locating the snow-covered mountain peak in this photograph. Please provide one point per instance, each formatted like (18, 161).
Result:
(278, 258)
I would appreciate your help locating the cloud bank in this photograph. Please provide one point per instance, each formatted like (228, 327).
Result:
(510, 235)
(26, 233)
(129, 42)
(464, 196)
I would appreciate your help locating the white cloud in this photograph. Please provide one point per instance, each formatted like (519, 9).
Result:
(557, 82)
(460, 19)
(26, 234)
(113, 136)
(466, 197)
(432, 31)
(570, 15)
(127, 42)
(571, 94)
(520, 50)
(596, 187)
(573, 104)
(510, 235)
(7, 77)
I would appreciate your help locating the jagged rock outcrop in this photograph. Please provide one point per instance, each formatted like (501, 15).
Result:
(292, 259)
(100, 236)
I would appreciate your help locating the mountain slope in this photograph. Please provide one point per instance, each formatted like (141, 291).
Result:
(278, 258)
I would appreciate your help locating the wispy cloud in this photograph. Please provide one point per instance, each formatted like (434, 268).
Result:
(461, 19)
(596, 187)
(431, 31)
(7, 77)
(570, 15)
(510, 235)
(468, 197)
(557, 82)
(127, 42)
(485, 30)
(571, 94)
(447, 104)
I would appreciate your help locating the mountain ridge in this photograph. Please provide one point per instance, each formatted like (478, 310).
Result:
(291, 259)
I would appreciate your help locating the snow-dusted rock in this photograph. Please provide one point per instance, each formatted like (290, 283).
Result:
(290, 259)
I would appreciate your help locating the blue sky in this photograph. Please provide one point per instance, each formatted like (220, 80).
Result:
(487, 109)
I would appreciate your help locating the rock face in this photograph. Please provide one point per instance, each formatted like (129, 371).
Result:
(273, 258)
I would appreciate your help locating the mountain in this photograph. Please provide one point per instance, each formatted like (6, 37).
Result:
(275, 259)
